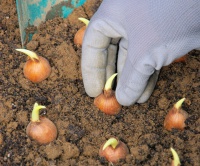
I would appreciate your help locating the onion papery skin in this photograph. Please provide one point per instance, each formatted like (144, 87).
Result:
(43, 132)
(175, 119)
(107, 102)
(114, 155)
(37, 70)
(78, 38)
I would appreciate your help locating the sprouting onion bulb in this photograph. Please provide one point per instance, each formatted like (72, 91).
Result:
(113, 150)
(176, 160)
(107, 101)
(176, 117)
(41, 129)
(36, 68)
(78, 38)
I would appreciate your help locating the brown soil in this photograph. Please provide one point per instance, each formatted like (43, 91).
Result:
(82, 127)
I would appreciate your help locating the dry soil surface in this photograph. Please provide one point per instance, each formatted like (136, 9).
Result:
(82, 128)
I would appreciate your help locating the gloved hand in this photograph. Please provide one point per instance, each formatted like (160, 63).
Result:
(151, 34)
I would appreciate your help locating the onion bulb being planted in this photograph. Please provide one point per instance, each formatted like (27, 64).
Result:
(176, 117)
(41, 129)
(78, 38)
(181, 59)
(107, 101)
(176, 160)
(37, 68)
(113, 150)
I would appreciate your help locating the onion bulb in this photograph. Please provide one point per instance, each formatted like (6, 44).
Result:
(36, 68)
(107, 101)
(176, 117)
(78, 38)
(113, 150)
(41, 129)
(181, 59)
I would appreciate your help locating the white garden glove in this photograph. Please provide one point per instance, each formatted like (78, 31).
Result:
(152, 34)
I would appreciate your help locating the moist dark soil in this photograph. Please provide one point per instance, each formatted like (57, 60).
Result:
(82, 128)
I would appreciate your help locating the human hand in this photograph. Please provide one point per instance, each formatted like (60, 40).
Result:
(136, 38)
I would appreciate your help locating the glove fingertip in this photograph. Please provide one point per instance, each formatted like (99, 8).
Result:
(143, 99)
(123, 98)
(93, 92)
(149, 88)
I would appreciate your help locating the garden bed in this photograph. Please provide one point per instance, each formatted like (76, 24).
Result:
(82, 128)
